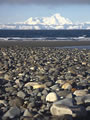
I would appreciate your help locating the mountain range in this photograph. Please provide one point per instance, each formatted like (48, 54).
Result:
(55, 22)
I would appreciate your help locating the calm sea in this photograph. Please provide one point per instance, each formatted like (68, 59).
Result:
(44, 34)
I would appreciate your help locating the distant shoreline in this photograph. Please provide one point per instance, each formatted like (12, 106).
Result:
(44, 43)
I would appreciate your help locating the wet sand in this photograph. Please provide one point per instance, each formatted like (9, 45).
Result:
(44, 43)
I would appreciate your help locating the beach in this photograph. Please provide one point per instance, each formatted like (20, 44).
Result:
(39, 81)
(44, 43)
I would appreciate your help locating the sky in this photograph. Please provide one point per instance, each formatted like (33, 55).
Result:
(12, 11)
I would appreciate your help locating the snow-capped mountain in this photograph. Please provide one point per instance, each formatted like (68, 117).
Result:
(53, 22)
(56, 19)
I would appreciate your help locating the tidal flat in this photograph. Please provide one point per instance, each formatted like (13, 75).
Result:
(43, 43)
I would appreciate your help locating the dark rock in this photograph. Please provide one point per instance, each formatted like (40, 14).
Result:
(12, 113)
(16, 102)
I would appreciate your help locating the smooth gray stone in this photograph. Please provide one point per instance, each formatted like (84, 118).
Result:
(27, 113)
(67, 102)
(21, 94)
(49, 84)
(55, 87)
(44, 92)
(80, 93)
(16, 102)
(79, 100)
(12, 113)
(88, 109)
(63, 93)
(69, 95)
(86, 98)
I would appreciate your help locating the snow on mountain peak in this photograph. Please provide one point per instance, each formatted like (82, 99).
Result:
(56, 19)
(61, 19)
(57, 15)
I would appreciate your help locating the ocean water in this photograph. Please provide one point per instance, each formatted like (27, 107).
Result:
(45, 35)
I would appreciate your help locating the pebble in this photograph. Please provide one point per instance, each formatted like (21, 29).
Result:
(61, 82)
(49, 84)
(39, 86)
(86, 98)
(12, 113)
(27, 113)
(10, 89)
(88, 108)
(16, 102)
(35, 85)
(67, 86)
(67, 102)
(21, 94)
(80, 92)
(7, 77)
(63, 93)
(55, 87)
(60, 110)
(44, 83)
(70, 95)
(79, 100)
(51, 97)
(3, 102)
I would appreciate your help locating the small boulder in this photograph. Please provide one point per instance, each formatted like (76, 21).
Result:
(59, 109)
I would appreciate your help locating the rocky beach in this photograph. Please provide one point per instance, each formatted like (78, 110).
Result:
(44, 83)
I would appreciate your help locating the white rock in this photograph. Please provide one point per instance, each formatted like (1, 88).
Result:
(80, 92)
(51, 97)
(21, 74)
(62, 109)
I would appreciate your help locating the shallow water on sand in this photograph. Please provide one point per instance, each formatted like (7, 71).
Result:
(79, 47)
